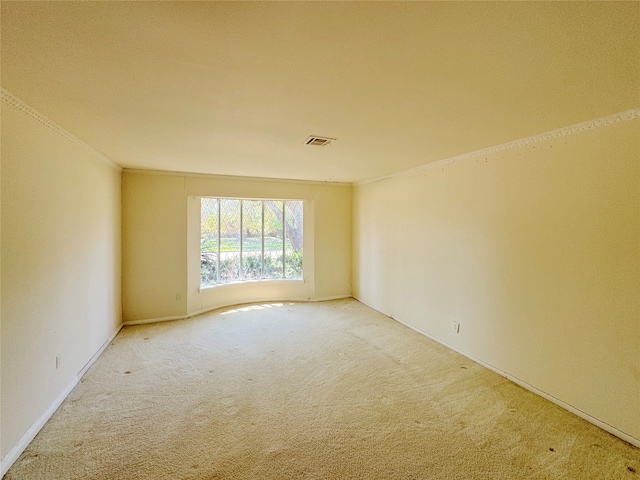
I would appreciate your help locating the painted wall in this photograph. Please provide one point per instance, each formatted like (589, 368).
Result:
(161, 243)
(60, 266)
(535, 251)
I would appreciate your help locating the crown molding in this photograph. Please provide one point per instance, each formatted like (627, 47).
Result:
(523, 142)
(216, 176)
(13, 101)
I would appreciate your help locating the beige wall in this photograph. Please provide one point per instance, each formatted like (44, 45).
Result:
(60, 266)
(161, 243)
(534, 250)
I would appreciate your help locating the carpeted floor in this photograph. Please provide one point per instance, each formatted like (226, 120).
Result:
(322, 391)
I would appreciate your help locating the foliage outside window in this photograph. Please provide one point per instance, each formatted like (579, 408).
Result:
(242, 239)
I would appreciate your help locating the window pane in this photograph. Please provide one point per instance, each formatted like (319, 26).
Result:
(273, 239)
(252, 239)
(208, 241)
(229, 240)
(293, 233)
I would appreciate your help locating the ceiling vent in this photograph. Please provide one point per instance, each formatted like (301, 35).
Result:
(318, 141)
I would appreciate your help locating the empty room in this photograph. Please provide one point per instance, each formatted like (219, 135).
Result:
(328, 240)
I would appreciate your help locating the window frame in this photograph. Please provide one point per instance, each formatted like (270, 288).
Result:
(241, 279)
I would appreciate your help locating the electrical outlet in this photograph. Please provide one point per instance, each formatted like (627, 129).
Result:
(456, 327)
(178, 296)
(57, 362)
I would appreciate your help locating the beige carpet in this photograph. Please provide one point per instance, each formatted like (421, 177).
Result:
(321, 391)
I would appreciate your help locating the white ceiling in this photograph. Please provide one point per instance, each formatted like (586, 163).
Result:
(235, 88)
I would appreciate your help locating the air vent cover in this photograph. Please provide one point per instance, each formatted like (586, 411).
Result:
(318, 141)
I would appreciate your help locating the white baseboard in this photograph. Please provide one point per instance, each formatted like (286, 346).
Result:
(299, 300)
(235, 304)
(327, 299)
(96, 355)
(585, 416)
(15, 452)
(129, 323)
